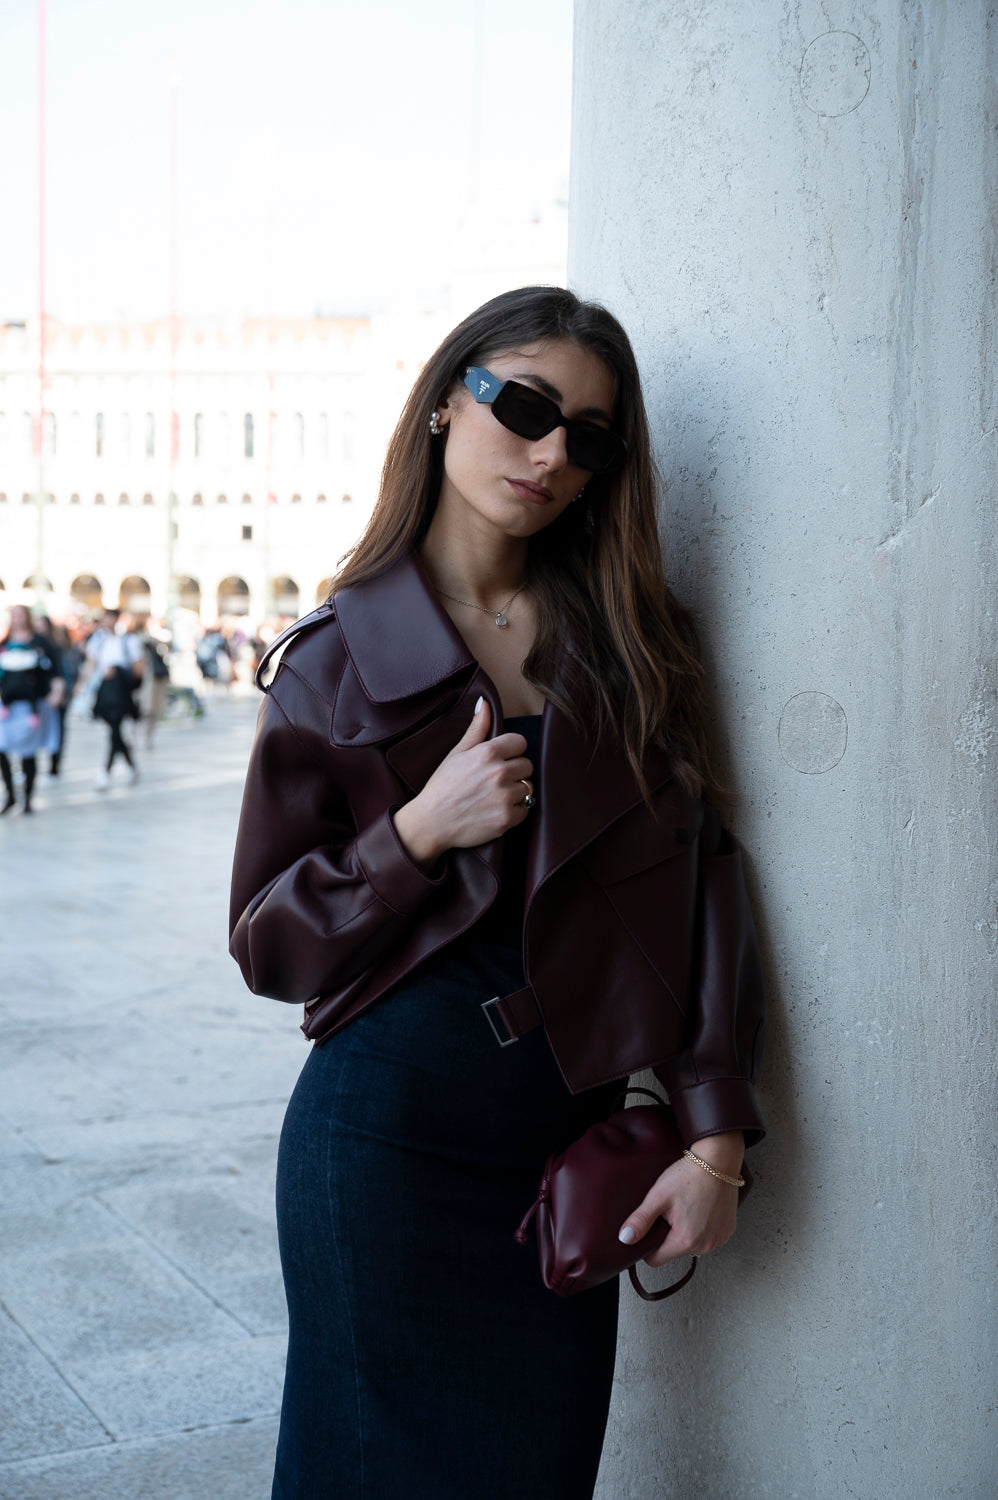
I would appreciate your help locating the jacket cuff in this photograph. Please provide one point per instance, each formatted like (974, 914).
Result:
(395, 880)
(715, 1105)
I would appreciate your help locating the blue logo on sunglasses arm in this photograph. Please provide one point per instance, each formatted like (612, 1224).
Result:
(488, 387)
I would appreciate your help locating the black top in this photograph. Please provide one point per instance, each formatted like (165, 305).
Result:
(26, 670)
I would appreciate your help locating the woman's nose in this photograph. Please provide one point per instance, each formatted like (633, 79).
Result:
(551, 449)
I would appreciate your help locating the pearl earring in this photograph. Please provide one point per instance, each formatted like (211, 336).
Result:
(435, 427)
(579, 495)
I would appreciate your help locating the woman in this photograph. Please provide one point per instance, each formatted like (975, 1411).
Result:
(67, 658)
(156, 646)
(474, 843)
(31, 690)
(114, 657)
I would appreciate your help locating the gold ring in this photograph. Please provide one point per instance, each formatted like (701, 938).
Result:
(529, 800)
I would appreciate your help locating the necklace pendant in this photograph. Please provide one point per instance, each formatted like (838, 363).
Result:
(501, 620)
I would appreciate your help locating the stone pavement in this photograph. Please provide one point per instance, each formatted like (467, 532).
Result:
(142, 1087)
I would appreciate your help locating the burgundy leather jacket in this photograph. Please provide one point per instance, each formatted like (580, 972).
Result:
(639, 945)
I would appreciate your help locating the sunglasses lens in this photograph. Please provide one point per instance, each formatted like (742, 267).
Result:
(525, 412)
(594, 448)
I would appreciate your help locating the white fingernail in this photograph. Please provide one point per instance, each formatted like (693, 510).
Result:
(478, 705)
(627, 1235)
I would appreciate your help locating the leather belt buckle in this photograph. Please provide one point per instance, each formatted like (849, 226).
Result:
(487, 1007)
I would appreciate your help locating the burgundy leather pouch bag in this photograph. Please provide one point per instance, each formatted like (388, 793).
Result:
(588, 1190)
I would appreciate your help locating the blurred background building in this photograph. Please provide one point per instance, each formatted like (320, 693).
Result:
(272, 456)
(272, 461)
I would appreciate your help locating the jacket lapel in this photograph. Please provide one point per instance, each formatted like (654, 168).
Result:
(417, 756)
(583, 787)
(408, 668)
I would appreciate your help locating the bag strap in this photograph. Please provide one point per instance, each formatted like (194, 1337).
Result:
(632, 1271)
(667, 1291)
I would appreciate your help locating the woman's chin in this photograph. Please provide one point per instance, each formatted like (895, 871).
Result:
(520, 523)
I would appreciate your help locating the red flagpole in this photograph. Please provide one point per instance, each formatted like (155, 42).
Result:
(172, 594)
(40, 425)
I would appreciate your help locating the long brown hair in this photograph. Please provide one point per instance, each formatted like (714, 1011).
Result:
(595, 572)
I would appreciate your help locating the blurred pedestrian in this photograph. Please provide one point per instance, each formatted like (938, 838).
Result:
(213, 657)
(68, 658)
(31, 689)
(114, 654)
(156, 677)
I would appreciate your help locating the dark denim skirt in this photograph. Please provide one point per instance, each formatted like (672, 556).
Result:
(426, 1358)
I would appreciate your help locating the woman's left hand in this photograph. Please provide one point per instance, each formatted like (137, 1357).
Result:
(700, 1209)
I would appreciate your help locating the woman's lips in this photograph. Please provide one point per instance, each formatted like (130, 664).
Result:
(527, 491)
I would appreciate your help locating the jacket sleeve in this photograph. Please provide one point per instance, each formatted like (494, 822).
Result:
(315, 902)
(711, 1081)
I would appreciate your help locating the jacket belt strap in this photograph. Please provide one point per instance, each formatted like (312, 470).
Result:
(512, 1015)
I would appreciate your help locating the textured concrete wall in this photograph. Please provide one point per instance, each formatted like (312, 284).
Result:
(792, 208)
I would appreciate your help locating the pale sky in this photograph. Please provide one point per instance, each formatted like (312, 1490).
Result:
(329, 152)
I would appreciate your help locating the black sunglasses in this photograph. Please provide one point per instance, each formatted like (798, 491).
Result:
(526, 412)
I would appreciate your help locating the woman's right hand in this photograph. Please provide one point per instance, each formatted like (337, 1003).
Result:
(475, 794)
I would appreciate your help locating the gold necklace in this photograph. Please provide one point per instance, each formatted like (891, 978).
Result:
(501, 621)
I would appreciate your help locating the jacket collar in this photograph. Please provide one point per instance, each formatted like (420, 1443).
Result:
(399, 638)
(416, 672)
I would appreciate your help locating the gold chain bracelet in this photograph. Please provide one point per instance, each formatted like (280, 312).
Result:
(731, 1181)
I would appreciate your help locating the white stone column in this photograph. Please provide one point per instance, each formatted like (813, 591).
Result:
(792, 208)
